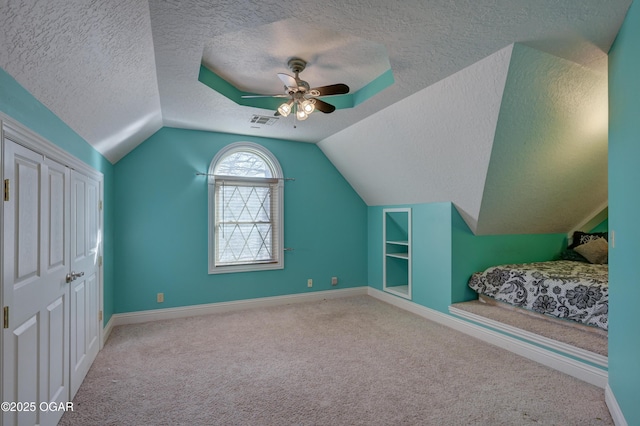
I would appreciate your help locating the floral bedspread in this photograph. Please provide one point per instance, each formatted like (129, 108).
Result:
(567, 289)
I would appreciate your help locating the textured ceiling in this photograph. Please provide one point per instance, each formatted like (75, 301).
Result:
(548, 167)
(117, 71)
(438, 152)
(251, 58)
(91, 63)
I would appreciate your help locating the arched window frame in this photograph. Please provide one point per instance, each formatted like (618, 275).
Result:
(276, 185)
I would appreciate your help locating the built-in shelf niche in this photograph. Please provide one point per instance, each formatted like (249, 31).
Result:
(396, 262)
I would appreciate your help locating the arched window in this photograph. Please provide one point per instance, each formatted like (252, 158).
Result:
(245, 210)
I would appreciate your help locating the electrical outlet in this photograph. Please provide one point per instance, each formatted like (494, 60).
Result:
(160, 297)
(334, 280)
(309, 282)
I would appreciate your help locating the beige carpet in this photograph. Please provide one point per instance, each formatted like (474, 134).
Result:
(351, 361)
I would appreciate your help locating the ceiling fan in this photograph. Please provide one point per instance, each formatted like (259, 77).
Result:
(303, 100)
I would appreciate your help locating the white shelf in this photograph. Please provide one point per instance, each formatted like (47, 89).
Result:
(399, 255)
(396, 242)
(399, 290)
(399, 243)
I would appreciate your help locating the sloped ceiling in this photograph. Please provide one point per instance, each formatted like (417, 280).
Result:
(430, 147)
(118, 71)
(91, 63)
(517, 141)
(548, 167)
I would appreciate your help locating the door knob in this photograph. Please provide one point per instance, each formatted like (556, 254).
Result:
(72, 276)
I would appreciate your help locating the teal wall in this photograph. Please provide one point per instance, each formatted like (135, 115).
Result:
(601, 227)
(624, 204)
(430, 252)
(21, 106)
(445, 253)
(474, 253)
(161, 223)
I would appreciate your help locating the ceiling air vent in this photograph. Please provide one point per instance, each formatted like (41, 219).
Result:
(264, 119)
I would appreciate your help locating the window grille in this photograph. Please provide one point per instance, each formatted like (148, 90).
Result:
(245, 212)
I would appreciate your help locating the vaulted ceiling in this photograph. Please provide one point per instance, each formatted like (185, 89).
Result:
(513, 134)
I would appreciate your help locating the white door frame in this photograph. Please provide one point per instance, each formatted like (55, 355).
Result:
(18, 133)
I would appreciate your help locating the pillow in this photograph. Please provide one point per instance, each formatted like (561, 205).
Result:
(580, 238)
(570, 254)
(595, 251)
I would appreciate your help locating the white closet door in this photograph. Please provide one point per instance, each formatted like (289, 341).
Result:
(35, 365)
(85, 243)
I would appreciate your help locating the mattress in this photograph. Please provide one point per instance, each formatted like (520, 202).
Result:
(571, 290)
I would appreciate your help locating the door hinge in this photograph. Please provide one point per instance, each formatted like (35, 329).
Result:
(100, 205)
(100, 316)
(6, 189)
(5, 317)
(99, 260)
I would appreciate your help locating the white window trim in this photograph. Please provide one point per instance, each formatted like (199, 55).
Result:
(279, 234)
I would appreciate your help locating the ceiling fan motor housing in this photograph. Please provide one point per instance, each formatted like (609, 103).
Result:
(297, 65)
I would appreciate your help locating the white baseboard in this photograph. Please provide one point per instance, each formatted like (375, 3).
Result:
(583, 371)
(614, 408)
(106, 331)
(213, 308)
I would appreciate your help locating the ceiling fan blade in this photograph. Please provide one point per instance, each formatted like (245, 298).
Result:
(288, 80)
(323, 106)
(332, 89)
(264, 96)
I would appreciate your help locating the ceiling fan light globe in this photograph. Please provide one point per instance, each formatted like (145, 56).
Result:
(285, 109)
(301, 115)
(308, 106)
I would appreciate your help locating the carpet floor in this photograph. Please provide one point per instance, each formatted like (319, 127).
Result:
(349, 361)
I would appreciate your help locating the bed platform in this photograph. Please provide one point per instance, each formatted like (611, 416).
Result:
(555, 312)
(565, 289)
(589, 338)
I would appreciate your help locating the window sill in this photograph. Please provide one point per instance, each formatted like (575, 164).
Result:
(245, 268)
